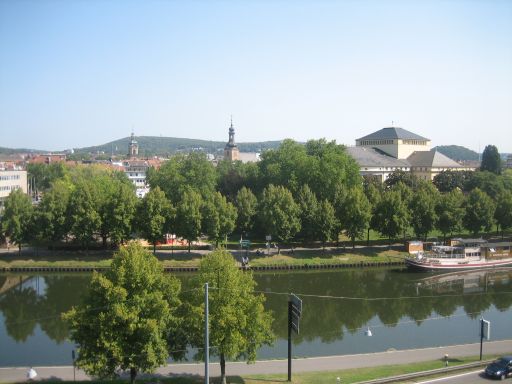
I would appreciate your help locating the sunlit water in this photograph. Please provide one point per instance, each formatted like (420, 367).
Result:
(402, 310)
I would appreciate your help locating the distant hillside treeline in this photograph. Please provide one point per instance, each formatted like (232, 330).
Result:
(456, 152)
(154, 145)
(11, 151)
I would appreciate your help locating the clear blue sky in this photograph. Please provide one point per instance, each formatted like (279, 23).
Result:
(80, 73)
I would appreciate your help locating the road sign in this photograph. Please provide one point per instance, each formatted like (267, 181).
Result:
(245, 243)
(297, 304)
(296, 312)
(486, 329)
(268, 237)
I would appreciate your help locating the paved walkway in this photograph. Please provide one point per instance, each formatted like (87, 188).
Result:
(18, 374)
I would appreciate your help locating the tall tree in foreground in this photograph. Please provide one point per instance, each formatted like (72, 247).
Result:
(17, 217)
(239, 324)
(491, 160)
(126, 317)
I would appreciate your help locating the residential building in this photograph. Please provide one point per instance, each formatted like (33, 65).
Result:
(11, 180)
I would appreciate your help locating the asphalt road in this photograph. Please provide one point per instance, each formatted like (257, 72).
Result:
(476, 376)
(328, 363)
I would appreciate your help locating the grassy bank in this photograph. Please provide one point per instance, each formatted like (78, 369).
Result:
(181, 258)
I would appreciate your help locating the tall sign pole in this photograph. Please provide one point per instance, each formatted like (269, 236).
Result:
(294, 313)
(206, 337)
(290, 341)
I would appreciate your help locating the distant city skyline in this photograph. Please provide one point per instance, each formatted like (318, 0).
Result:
(81, 73)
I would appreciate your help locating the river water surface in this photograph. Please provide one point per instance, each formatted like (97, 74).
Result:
(401, 309)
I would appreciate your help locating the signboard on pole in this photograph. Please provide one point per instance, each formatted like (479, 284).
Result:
(296, 312)
(486, 329)
(245, 243)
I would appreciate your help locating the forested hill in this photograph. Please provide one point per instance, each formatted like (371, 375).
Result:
(155, 145)
(11, 151)
(456, 152)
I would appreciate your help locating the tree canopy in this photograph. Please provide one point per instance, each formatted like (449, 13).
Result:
(126, 317)
(239, 324)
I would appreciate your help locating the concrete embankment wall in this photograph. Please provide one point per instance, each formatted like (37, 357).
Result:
(194, 269)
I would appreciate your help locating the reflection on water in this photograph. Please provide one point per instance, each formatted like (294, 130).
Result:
(402, 309)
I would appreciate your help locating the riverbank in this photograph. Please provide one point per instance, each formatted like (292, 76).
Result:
(307, 370)
(32, 260)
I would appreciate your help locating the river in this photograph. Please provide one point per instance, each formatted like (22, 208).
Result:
(401, 309)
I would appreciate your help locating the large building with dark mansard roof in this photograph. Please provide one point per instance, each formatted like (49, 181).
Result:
(393, 148)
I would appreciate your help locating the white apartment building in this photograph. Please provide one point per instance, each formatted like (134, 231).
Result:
(10, 181)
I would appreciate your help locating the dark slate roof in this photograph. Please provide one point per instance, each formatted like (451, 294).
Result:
(369, 157)
(431, 158)
(393, 133)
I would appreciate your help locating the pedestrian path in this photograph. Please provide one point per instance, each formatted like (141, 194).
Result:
(18, 374)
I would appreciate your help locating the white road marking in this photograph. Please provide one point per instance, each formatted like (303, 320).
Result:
(449, 377)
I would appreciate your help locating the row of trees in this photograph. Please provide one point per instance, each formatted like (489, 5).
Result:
(310, 192)
(134, 316)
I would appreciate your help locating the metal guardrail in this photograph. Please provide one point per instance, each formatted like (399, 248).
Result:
(407, 376)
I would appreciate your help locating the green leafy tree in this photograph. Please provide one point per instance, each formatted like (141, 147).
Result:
(279, 213)
(17, 217)
(247, 206)
(120, 212)
(45, 175)
(153, 216)
(127, 316)
(447, 181)
(491, 160)
(219, 217)
(423, 210)
(503, 213)
(188, 216)
(238, 322)
(183, 172)
(450, 212)
(354, 214)
(309, 211)
(325, 221)
(83, 213)
(400, 176)
(51, 220)
(391, 214)
(479, 212)
(373, 191)
(232, 176)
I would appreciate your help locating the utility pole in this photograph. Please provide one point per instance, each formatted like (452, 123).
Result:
(206, 337)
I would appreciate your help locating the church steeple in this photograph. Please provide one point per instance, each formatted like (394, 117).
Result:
(133, 147)
(231, 150)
